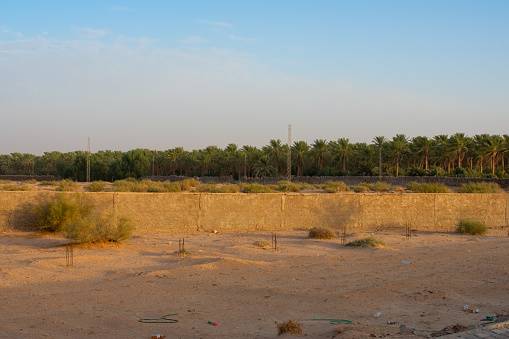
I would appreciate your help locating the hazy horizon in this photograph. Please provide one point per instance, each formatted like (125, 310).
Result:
(158, 75)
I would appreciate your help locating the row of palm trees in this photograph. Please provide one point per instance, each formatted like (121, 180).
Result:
(457, 155)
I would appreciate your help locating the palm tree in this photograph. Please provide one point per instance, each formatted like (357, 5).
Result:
(494, 145)
(274, 149)
(264, 167)
(457, 144)
(251, 156)
(479, 148)
(319, 147)
(379, 142)
(344, 149)
(300, 148)
(399, 146)
(423, 145)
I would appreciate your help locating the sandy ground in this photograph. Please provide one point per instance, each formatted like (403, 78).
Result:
(246, 289)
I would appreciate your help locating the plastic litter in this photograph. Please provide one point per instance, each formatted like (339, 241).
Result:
(213, 323)
(470, 310)
(406, 262)
(377, 314)
(158, 336)
(391, 322)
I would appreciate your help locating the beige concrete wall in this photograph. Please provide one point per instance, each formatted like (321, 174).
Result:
(238, 212)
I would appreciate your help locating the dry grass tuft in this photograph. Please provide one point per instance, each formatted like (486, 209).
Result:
(262, 243)
(321, 233)
(290, 326)
(367, 242)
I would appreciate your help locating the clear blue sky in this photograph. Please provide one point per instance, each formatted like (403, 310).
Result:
(162, 74)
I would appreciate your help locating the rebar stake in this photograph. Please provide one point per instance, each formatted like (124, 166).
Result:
(408, 230)
(69, 256)
(182, 248)
(343, 236)
(274, 242)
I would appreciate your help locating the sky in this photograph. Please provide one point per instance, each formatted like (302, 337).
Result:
(196, 73)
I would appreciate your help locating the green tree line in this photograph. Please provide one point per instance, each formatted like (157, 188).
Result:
(458, 155)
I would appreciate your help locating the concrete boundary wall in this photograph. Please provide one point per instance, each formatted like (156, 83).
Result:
(244, 212)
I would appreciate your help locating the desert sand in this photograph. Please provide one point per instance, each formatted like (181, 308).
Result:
(245, 289)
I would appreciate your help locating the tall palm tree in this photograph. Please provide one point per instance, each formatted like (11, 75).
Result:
(274, 150)
(458, 144)
(344, 149)
(399, 146)
(494, 145)
(319, 147)
(379, 142)
(479, 148)
(422, 145)
(300, 148)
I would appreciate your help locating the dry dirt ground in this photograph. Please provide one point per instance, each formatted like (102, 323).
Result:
(245, 289)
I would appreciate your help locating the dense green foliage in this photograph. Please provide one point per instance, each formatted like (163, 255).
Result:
(457, 155)
(79, 221)
(473, 227)
(480, 187)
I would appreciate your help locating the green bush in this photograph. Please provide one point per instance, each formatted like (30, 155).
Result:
(131, 185)
(479, 187)
(80, 222)
(321, 233)
(97, 228)
(53, 216)
(428, 188)
(362, 187)
(14, 188)
(256, 188)
(473, 227)
(367, 242)
(286, 186)
(67, 185)
(96, 186)
(381, 186)
(156, 189)
(335, 187)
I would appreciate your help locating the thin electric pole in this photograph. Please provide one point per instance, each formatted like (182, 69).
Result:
(289, 155)
(88, 161)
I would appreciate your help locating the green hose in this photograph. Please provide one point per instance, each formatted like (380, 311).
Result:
(332, 321)
(163, 320)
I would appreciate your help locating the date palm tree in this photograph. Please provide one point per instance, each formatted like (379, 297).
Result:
(319, 147)
(422, 145)
(300, 148)
(344, 149)
(263, 168)
(458, 145)
(379, 142)
(399, 146)
(494, 146)
(274, 150)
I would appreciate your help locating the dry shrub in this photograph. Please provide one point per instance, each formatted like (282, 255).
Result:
(228, 188)
(3, 182)
(54, 215)
(31, 181)
(172, 186)
(67, 185)
(262, 243)
(14, 188)
(256, 188)
(96, 186)
(286, 186)
(335, 187)
(399, 189)
(381, 186)
(321, 233)
(48, 183)
(367, 242)
(290, 326)
(99, 227)
(209, 187)
(187, 184)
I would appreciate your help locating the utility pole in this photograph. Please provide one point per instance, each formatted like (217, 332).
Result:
(88, 161)
(289, 155)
